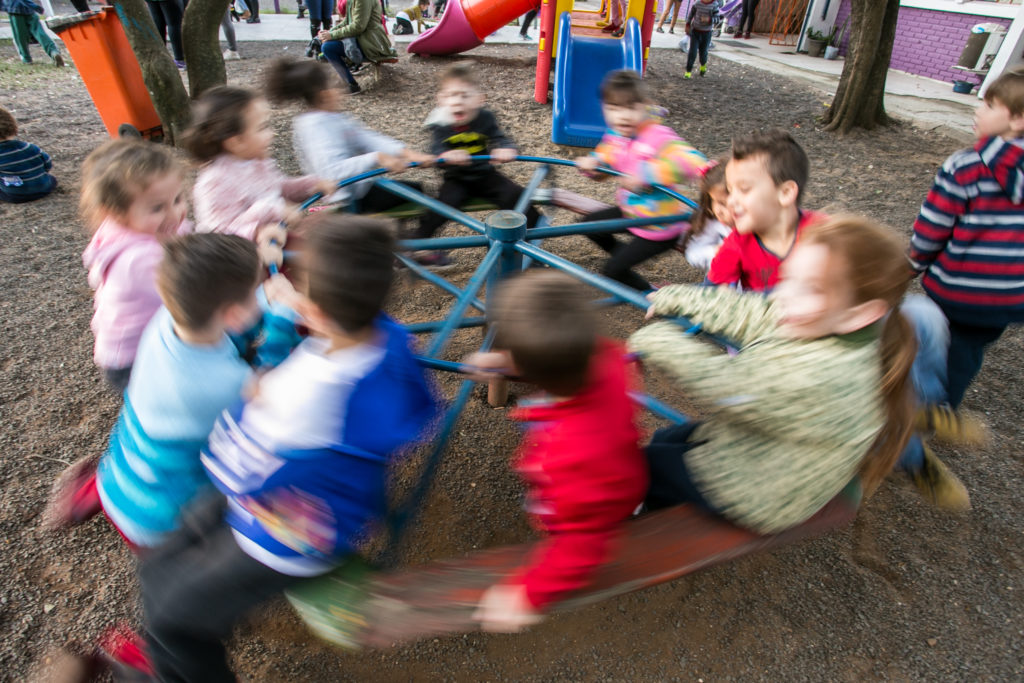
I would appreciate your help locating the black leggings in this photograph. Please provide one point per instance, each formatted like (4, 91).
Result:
(625, 255)
(167, 15)
(747, 15)
(492, 186)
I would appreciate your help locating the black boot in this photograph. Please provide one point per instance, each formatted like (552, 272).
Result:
(302, 11)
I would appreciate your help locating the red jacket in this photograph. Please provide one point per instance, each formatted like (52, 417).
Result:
(585, 475)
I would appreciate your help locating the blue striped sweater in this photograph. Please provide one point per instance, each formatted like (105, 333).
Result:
(969, 235)
(24, 170)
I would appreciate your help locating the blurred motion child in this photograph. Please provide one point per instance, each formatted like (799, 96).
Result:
(646, 152)
(584, 472)
(711, 222)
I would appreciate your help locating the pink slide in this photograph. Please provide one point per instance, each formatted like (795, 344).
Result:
(466, 23)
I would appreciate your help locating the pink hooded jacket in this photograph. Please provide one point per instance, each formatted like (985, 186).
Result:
(122, 267)
(657, 156)
(236, 196)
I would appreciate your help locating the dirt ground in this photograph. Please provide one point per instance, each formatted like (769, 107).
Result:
(905, 593)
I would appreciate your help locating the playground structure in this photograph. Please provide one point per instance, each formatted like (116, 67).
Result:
(358, 607)
(571, 43)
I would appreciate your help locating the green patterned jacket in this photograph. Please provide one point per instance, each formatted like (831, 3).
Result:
(788, 422)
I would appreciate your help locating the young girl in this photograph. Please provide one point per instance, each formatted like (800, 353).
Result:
(239, 190)
(648, 153)
(332, 144)
(711, 222)
(817, 395)
(134, 193)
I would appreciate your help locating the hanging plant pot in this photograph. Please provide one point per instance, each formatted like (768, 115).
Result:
(831, 52)
(815, 48)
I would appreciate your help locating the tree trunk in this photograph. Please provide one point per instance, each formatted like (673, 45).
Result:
(162, 79)
(201, 40)
(860, 97)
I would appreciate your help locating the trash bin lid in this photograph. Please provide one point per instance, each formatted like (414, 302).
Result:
(64, 21)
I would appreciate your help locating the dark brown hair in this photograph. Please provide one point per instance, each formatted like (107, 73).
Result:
(1008, 89)
(347, 264)
(873, 261)
(8, 124)
(625, 88)
(460, 71)
(290, 80)
(116, 172)
(783, 156)
(204, 272)
(545, 320)
(218, 115)
(715, 177)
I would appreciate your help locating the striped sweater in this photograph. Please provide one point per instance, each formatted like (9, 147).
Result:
(969, 235)
(788, 421)
(24, 169)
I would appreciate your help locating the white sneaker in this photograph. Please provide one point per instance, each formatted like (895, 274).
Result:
(231, 55)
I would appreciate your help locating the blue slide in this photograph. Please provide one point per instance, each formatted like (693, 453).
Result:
(580, 65)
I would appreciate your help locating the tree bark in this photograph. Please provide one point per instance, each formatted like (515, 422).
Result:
(860, 97)
(201, 40)
(162, 79)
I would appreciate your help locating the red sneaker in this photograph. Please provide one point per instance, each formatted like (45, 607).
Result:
(73, 498)
(611, 28)
(126, 651)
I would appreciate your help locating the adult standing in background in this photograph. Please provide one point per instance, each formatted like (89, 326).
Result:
(747, 18)
(167, 15)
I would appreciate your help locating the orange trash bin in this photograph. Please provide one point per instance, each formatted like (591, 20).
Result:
(109, 69)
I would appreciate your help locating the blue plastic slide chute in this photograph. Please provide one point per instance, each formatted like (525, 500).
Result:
(580, 64)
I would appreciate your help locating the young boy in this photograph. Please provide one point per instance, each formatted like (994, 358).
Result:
(404, 19)
(584, 472)
(766, 177)
(24, 168)
(968, 239)
(465, 129)
(699, 23)
(302, 462)
(186, 372)
(26, 25)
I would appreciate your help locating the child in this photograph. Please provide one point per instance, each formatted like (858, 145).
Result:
(134, 193)
(818, 394)
(187, 371)
(712, 222)
(584, 472)
(461, 127)
(24, 175)
(25, 25)
(969, 236)
(302, 462)
(647, 152)
(331, 144)
(699, 23)
(766, 177)
(404, 19)
(239, 190)
(673, 7)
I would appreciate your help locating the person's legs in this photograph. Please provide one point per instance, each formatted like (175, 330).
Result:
(703, 43)
(453, 193)
(606, 240)
(967, 345)
(677, 5)
(20, 31)
(504, 192)
(254, 11)
(39, 33)
(403, 27)
(746, 16)
(527, 20)
(173, 14)
(229, 32)
(750, 20)
(671, 483)
(334, 53)
(80, 5)
(158, 18)
(637, 250)
(376, 199)
(691, 53)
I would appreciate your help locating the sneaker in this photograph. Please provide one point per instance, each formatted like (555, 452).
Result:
(703, 70)
(126, 651)
(252, 20)
(611, 28)
(672, 31)
(951, 426)
(58, 60)
(687, 75)
(747, 35)
(938, 485)
(661, 30)
(525, 36)
(73, 497)
(354, 89)
(432, 259)
(231, 55)
(180, 64)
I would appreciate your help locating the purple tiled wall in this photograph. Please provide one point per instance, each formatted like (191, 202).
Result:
(927, 42)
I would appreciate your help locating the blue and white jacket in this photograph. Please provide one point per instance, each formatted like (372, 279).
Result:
(303, 464)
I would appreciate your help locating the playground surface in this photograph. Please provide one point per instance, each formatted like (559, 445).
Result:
(905, 593)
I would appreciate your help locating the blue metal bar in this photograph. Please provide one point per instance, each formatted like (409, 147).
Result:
(437, 280)
(450, 366)
(435, 325)
(524, 199)
(468, 294)
(451, 213)
(466, 242)
(611, 225)
(658, 408)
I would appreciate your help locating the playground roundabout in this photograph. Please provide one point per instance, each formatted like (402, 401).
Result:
(904, 592)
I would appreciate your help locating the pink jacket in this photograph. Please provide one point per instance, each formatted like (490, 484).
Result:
(122, 269)
(236, 196)
(658, 156)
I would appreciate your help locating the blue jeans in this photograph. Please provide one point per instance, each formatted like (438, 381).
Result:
(928, 374)
(334, 53)
(699, 41)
